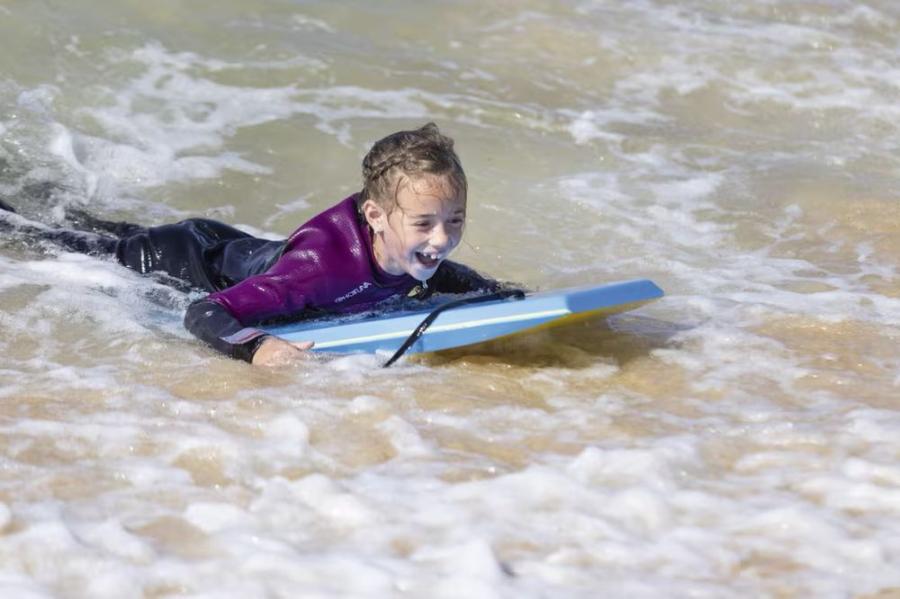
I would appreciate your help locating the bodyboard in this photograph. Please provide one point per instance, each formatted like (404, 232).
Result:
(470, 324)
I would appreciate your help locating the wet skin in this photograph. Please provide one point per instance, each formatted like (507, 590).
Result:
(420, 230)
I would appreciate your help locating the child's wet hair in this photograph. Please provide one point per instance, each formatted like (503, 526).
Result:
(422, 151)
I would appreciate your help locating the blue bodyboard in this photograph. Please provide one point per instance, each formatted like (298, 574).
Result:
(472, 323)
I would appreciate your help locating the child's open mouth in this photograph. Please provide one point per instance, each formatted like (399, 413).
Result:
(427, 259)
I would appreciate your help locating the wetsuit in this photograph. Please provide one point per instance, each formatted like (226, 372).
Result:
(326, 265)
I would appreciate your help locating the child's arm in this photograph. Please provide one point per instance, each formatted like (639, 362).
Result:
(225, 319)
(212, 323)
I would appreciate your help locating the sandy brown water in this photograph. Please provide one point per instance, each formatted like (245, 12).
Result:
(737, 438)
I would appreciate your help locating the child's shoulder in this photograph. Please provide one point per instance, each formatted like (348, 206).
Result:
(341, 218)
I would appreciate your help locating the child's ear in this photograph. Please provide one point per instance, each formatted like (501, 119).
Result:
(375, 215)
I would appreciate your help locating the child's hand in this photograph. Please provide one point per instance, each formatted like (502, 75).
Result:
(278, 352)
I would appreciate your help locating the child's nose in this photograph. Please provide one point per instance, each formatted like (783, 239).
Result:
(439, 237)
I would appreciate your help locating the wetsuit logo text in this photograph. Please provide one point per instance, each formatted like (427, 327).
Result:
(356, 291)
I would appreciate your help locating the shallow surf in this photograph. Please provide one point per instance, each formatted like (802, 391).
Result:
(738, 438)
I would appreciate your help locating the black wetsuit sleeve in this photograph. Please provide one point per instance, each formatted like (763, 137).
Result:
(212, 323)
(453, 277)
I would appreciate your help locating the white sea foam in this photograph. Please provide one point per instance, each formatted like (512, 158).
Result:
(307, 22)
(404, 437)
(594, 124)
(147, 149)
(180, 139)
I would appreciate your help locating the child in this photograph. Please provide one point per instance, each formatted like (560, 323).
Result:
(391, 239)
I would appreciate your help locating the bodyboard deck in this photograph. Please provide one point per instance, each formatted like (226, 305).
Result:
(473, 323)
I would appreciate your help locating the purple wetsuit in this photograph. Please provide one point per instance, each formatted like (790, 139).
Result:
(326, 265)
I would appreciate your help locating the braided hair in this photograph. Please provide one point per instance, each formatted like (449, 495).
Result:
(423, 151)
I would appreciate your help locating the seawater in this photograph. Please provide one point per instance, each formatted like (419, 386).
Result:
(739, 438)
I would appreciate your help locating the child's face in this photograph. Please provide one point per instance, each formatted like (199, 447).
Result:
(421, 230)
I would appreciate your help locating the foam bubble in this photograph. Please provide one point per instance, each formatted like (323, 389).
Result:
(110, 537)
(213, 517)
(586, 127)
(614, 467)
(366, 404)
(328, 500)
(470, 568)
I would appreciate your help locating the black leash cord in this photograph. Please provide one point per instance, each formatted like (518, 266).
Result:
(432, 316)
